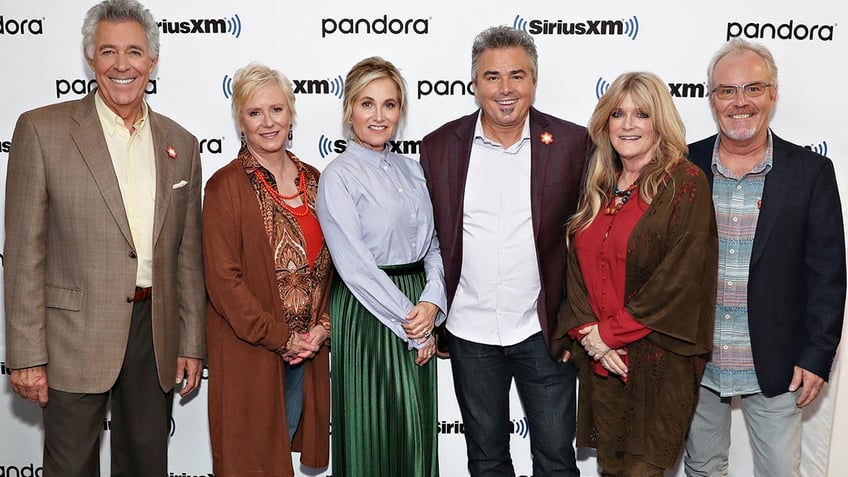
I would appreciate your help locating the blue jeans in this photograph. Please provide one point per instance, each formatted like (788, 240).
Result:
(482, 376)
(294, 396)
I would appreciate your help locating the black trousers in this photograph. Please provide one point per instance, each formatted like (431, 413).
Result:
(140, 416)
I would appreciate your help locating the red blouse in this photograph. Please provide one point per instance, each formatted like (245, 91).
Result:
(602, 253)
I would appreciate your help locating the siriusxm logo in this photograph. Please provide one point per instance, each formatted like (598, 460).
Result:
(107, 426)
(784, 31)
(515, 426)
(677, 90)
(445, 427)
(327, 146)
(11, 26)
(334, 86)
(4, 369)
(628, 27)
(445, 88)
(520, 427)
(85, 86)
(5, 146)
(379, 26)
(820, 148)
(231, 25)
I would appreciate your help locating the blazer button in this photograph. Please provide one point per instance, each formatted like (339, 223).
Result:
(133, 255)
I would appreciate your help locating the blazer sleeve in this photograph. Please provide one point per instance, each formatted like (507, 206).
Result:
(25, 249)
(192, 294)
(825, 276)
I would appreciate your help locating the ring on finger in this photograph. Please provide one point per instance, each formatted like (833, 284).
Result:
(426, 334)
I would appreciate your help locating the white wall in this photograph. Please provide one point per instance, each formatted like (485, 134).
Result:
(40, 47)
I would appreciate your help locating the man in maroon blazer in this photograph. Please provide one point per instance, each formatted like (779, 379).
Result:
(504, 180)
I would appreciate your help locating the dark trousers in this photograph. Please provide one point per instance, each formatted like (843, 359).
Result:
(141, 417)
(482, 376)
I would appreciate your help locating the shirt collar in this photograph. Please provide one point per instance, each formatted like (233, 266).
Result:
(762, 167)
(480, 136)
(111, 121)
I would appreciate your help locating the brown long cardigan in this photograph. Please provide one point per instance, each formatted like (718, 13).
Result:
(246, 384)
(670, 287)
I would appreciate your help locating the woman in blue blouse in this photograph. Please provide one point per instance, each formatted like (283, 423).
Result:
(377, 220)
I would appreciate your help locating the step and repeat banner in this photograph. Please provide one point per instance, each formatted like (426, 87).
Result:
(582, 47)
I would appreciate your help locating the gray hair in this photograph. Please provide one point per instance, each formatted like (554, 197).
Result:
(503, 37)
(120, 11)
(738, 45)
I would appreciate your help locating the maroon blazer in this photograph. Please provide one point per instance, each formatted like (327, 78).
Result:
(557, 171)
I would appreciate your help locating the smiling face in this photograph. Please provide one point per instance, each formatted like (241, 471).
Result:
(122, 65)
(505, 88)
(375, 114)
(265, 120)
(631, 132)
(741, 118)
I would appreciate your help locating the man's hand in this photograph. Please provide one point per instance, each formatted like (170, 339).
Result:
(811, 386)
(188, 372)
(31, 384)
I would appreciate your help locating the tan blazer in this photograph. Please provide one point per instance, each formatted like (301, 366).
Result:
(70, 262)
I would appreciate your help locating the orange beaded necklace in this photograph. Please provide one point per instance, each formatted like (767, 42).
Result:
(281, 199)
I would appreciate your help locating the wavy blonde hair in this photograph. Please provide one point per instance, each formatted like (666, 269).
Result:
(651, 96)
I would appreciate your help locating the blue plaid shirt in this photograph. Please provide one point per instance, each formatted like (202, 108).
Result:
(737, 201)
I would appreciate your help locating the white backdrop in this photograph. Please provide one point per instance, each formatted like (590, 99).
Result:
(582, 46)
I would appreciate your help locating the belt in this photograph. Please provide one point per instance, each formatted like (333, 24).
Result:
(403, 269)
(141, 294)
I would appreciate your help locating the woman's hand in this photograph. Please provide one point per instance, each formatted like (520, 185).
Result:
(306, 345)
(426, 352)
(613, 363)
(420, 321)
(593, 343)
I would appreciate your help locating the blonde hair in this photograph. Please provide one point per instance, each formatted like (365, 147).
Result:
(359, 77)
(253, 77)
(651, 96)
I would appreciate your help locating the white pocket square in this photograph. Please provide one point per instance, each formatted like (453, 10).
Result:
(179, 185)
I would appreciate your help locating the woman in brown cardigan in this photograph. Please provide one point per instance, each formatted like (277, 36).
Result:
(267, 273)
(641, 282)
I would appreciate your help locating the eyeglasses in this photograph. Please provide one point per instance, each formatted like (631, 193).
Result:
(752, 90)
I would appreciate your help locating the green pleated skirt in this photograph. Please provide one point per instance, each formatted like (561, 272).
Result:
(383, 404)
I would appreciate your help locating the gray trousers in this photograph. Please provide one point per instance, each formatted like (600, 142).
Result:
(774, 427)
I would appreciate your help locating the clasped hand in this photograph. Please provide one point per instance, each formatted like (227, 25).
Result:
(419, 325)
(609, 358)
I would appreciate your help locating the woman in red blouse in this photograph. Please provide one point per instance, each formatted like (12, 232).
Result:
(641, 281)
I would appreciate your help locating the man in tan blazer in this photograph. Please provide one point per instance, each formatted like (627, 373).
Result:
(104, 296)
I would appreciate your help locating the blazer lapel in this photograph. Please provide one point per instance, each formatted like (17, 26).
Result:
(88, 137)
(459, 157)
(540, 154)
(775, 190)
(164, 172)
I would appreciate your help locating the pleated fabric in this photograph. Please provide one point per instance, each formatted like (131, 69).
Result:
(383, 404)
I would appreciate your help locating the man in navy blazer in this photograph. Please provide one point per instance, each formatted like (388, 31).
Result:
(781, 285)
(504, 180)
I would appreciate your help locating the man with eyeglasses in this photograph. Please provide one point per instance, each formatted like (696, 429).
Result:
(781, 277)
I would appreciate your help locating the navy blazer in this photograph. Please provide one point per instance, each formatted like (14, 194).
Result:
(556, 176)
(796, 284)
